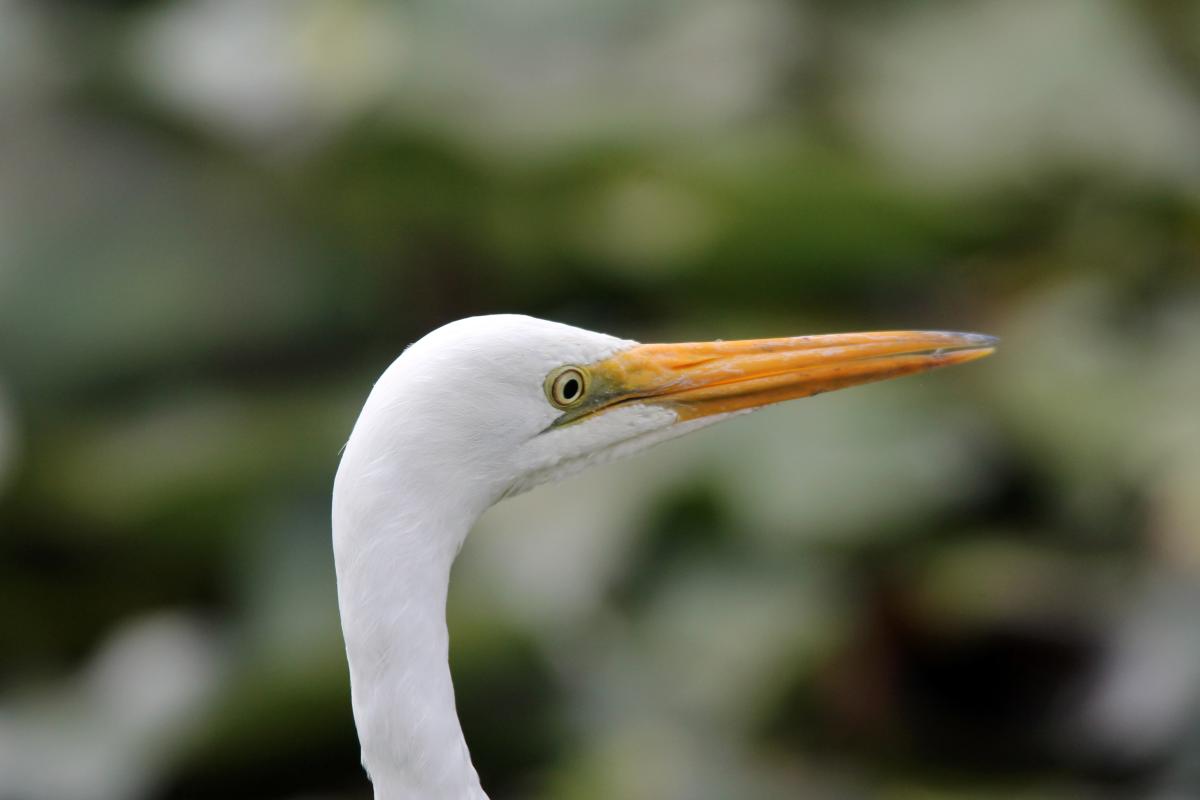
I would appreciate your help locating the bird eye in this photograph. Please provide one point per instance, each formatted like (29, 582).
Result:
(565, 387)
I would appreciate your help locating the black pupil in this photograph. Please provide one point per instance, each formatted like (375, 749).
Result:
(570, 389)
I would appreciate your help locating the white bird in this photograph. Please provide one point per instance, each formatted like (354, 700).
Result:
(487, 407)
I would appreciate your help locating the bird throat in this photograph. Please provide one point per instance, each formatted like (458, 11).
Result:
(393, 573)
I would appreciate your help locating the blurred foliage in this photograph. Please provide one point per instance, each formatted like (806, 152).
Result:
(220, 220)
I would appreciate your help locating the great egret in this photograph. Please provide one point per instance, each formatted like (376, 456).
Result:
(487, 407)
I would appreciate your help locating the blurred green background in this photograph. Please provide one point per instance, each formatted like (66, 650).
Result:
(221, 219)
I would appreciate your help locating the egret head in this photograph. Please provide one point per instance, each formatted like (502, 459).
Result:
(507, 402)
(488, 407)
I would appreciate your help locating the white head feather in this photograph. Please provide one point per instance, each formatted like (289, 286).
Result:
(457, 422)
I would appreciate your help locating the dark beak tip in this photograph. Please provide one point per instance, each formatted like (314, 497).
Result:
(974, 340)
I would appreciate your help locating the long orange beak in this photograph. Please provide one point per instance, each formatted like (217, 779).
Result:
(699, 379)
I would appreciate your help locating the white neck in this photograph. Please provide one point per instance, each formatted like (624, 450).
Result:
(393, 560)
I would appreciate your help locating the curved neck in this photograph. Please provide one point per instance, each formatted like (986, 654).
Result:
(393, 561)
